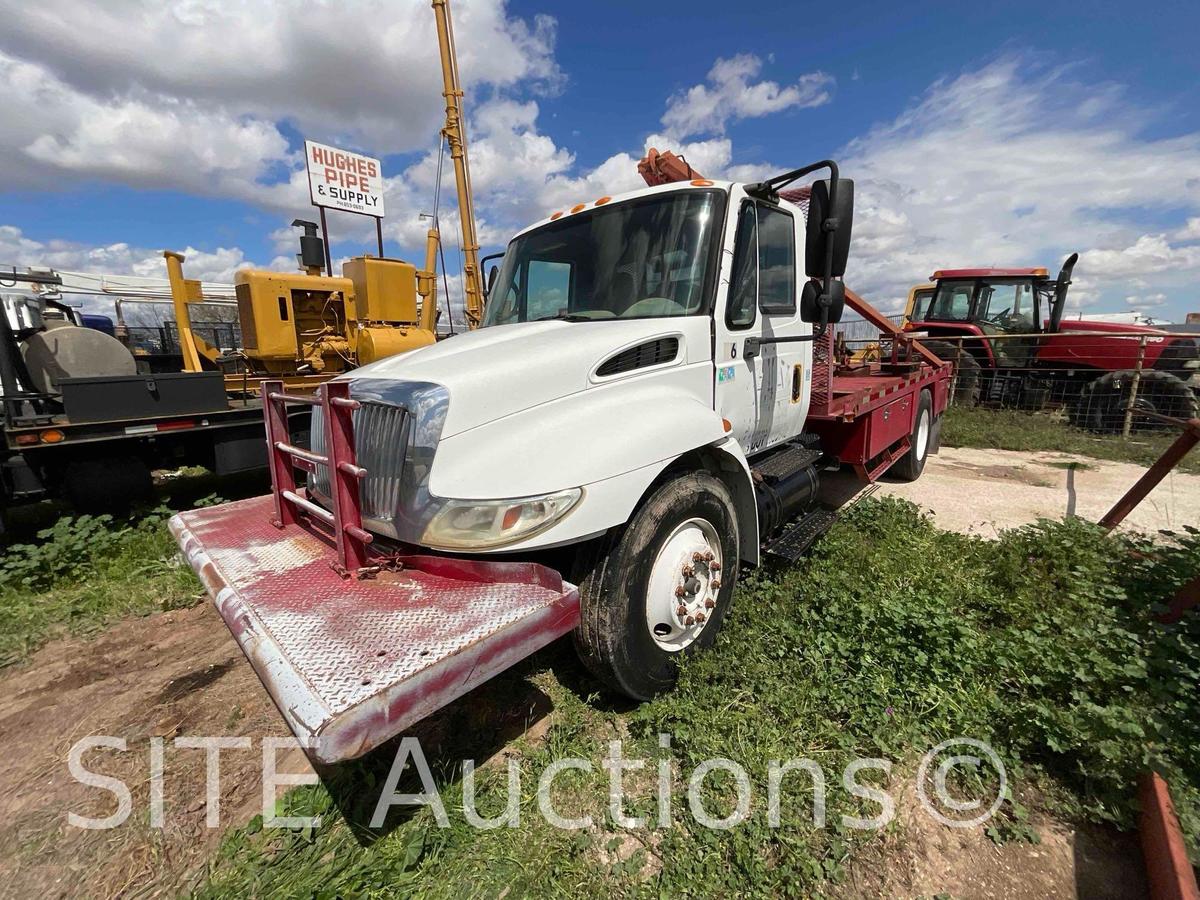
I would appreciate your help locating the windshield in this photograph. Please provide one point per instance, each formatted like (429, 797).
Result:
(1005, 304)
(639, 259)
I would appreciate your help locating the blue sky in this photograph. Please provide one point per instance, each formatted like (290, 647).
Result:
(979, 133)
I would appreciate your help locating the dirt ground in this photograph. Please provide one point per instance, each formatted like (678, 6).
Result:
(984, 491)
(919, 857)
(177, 673)
(180, 673)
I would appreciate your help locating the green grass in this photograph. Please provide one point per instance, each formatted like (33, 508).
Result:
(892, 636)
(1010, 429)
(82, 574)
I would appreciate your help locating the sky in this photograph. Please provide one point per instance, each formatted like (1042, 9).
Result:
(977, 134)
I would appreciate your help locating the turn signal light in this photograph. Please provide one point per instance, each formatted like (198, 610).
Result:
(701, 182)
(727, 425)
(52, 436)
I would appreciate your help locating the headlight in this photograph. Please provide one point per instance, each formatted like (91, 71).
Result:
(475, 524)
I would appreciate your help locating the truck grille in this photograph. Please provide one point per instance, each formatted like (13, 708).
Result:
(381, 432)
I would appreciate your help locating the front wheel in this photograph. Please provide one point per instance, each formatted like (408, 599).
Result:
(659, 587)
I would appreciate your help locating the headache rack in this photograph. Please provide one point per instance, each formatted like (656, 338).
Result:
(344, 475)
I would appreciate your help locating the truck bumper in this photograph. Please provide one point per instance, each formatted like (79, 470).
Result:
(351, 663)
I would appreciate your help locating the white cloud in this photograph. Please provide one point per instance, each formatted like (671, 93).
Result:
(364, 70)
(118, 258)
(1150, 254)
(1016, 165)
(51, 133)
(731, 94)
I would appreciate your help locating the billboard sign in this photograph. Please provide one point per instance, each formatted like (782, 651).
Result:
(339, 179)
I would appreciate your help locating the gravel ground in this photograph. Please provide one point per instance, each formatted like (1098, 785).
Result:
(985, 491)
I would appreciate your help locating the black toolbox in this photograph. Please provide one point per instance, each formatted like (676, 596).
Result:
(102, 398)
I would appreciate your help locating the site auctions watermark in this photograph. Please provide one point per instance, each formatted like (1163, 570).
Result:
(969, 757)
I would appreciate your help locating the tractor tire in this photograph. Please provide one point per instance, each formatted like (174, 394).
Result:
(1102, 403)
(910, 466)
(636, 579)
(114, 484)
(968, 384)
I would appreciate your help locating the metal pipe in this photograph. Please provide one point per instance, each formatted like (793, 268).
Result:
(1152, 476)
(311, 508)
(294, 398)
(301, 453)
(1127, 425)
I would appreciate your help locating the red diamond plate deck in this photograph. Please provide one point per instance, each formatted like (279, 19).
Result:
(352, 663)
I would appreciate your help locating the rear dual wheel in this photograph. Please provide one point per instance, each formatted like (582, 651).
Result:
(912, 464)
(659, 587)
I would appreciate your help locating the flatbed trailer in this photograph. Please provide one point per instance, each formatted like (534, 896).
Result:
(109, 459)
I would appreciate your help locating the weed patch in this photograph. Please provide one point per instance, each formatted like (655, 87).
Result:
(83, 573)
(890, 637)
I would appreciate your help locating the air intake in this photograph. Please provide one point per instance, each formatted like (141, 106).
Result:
(651, 353)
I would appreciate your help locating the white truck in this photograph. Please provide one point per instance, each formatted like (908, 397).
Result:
(646, 411)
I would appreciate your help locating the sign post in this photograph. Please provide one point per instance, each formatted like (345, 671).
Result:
(351, 182)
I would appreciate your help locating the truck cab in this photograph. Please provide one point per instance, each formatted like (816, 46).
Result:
(615, 343)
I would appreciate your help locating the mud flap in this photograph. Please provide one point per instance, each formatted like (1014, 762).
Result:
(352, 663)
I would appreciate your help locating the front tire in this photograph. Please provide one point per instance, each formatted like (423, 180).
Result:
(659, 587)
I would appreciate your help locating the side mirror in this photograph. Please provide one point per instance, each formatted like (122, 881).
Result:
(491, 280)
(818, 234)
(1060, 292)
(816, 307)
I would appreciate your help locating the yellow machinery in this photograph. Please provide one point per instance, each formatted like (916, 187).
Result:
(918, 294)
(313, 325)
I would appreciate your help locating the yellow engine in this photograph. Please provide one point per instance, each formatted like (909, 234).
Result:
(299, 323)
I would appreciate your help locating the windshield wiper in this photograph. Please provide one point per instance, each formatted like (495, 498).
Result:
(566, 317)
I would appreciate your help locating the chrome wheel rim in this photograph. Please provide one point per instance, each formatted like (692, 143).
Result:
(923, 434)
(685, 580)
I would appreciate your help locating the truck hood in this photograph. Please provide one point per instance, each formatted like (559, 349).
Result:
(505, 369)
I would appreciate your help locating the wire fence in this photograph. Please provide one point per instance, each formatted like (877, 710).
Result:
(1106, 380)
(163, 340)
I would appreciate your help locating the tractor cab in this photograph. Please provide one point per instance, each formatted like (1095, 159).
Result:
(991, 303)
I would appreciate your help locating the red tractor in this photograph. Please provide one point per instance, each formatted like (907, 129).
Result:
(1011, 356)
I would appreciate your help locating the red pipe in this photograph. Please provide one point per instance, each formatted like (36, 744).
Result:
(1167, 867)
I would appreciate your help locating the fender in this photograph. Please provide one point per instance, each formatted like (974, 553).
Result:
(736, 469)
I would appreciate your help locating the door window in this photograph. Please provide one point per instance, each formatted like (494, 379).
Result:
(743, 288)
(776, 261)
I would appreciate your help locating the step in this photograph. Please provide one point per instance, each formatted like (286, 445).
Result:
(351, 663)
(784, 462)
(796, 537)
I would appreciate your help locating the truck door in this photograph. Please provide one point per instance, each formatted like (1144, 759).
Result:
(765, 398)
